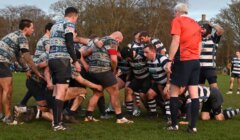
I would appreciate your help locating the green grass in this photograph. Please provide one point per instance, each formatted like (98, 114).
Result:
(142, 129)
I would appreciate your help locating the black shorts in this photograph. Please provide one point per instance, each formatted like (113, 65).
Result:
(74, 83)
(60, 71)
(185, 73)
(155, 88)
(214, 103)
(123, 77)
(235, 75)
(106, 79)
(207, 74)
(140, 85)
(37, 89)
(5, 70)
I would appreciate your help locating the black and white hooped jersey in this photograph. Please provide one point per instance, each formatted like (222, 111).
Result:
(139, 66)
(203, 93)
(157, 69)
(138, 47)
(236, 65)
(158, 44)
(209, 51)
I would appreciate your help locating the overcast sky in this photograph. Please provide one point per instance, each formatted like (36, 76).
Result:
(196, 7)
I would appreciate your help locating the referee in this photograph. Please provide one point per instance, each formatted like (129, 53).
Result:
(184, 63)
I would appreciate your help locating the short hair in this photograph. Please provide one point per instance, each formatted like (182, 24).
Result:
(181, 7)
(207, 27)
(48, 26)
(151, 47)
(24, 23)
(143, 34)
(70, 10)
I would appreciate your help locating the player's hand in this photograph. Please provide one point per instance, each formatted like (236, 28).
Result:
(99, 88)
(168, 67)
(166, 89)
(77, 66)
(39, 75)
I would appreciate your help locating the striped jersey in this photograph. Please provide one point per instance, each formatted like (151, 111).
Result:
(11, 44)
(100, 61)
(203, 93)
(41, 53)
(236, 65)
(158, 44)
(58, 48)
(209, 51)
(139, 66)
(157, 69)
(138, 47)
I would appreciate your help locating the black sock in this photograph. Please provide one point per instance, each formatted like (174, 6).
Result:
(101, 105)
(230, 113)
(152, 106)
(119, 116)
(167, 107)
(129, 107)
(58, 111)
(194, 112)
(188, 109)
(25, 99)
(137, 97)
(174, 110)
(89, 113)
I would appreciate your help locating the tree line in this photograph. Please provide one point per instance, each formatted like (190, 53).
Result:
(101, 17)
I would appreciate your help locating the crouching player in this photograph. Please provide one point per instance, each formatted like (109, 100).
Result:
(212, 100)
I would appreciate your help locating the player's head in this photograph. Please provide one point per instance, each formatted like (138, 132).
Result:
(206, 29)
(26, 26)
(71, 13)
(149, 51)
(48, 27)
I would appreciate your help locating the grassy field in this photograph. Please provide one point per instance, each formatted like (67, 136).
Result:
(142, 129)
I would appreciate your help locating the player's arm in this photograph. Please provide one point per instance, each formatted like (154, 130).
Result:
(81, 40)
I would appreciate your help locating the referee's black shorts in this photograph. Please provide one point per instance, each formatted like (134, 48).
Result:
(208, 74)
(185, 73)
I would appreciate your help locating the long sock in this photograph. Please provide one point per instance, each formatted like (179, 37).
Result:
(54, 108)
(188, 109)
(59, 108)
(230, 113)
(152, 106)
(167, 107)
(119, 116)
(101, 105)
(89, 113)
(25, 99)
(129, 107)
(137, 97)
(174, 110)
(194, 112)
